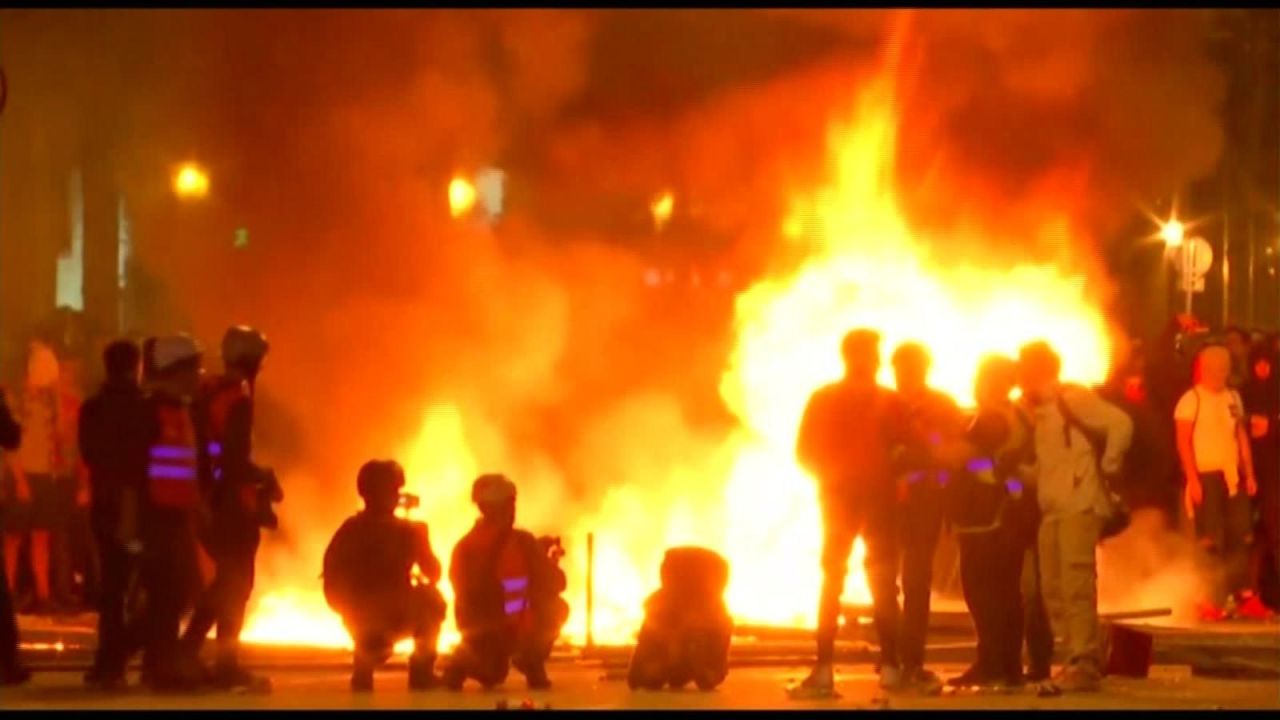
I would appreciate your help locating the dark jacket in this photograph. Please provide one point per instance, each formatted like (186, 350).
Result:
(114, 437)
(10, 431)
(845, 440)
(369, 562)
(478, 566)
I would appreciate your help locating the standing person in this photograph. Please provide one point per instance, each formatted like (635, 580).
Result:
(988, 503)
(369, 574)
(1213, 446)
(177, 473)
(1071, 488)
(1237, 342)
(114, 444)
(35, 470)
(508, 607)
(69, 549)
(240, 503)
(11, 670)
(1262, 403)
(844, 442)
(928, 419)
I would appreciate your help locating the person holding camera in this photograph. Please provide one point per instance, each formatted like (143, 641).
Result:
(508, 585)
(381, 576)
(239, 505)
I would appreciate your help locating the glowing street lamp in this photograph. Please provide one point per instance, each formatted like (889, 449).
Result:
(462, 197)
(190, 181)
(661, 208)
(1172, 232)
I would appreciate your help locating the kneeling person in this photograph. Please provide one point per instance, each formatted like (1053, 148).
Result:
(509, 608)
(369, 580)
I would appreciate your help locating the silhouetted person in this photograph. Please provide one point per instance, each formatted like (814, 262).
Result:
(845, 440)
(114, 444)
(928, 418)
(177, 478)
(509, 608)
(240, 503)
(11, 670)
(369, 579)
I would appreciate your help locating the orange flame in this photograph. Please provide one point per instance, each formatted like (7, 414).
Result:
(745, 496)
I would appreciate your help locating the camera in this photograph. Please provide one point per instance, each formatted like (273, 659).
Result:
(409, 501)
(552, 547)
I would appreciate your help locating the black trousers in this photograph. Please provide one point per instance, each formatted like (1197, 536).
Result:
(990, 573)
(115, 637)
(418, 612)
(920, 527)
(843, 522)
(8, 627)
(234, 549)
(169, 572)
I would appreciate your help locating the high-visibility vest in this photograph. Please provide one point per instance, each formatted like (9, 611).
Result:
(513, 575)
(173, 469)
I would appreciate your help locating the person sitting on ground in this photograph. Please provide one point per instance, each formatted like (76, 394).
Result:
(1213, 446)
(687, 627)
(509, 608)
(369, 580)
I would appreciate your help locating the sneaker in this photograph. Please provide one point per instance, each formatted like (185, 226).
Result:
(890, 677)
(1252, 608)
(921, 681)
(1208, 612)
(538, 680)
(969, 678)
(820, 683)
(454, 677)
(235, 677)
(1076, 678)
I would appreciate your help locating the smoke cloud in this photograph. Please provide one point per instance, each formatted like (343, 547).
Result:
(536, 350)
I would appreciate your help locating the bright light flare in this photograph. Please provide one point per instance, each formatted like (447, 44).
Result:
(661, 208)
(462, 197)
(190, 181)
(1173, 232)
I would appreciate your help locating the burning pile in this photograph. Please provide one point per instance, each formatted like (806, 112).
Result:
(745, 496)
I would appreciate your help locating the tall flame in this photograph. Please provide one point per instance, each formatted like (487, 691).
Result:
(745, 496)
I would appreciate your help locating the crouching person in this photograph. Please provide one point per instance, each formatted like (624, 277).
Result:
(370, 580)
(508, 586)
(687, 627)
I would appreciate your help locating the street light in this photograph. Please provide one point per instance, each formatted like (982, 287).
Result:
(462, 197)
(190, 181)
(661, 208)
(1172, 232)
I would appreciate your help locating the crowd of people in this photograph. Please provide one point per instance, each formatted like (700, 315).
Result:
(1030, 487)
(160, 460)
(159, 464)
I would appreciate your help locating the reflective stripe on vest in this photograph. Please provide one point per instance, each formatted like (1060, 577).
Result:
(515, 598)
(172, 471)
(215, 459)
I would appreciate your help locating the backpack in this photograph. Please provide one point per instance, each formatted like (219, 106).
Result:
(1117, 515)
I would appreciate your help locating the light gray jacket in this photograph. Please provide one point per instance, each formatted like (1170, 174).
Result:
(1066, 473)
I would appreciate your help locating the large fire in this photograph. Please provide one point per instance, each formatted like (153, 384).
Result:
(747, 497)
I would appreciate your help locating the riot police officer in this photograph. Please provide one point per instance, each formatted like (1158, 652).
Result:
(370, 580)
(240, 503)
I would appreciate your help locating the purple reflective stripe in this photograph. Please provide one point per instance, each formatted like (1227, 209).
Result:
(511, 607)
(215, 449)
(1014, 486)
(515, 584)
(170, 472)
(978, 465)
(943, 477)
(172, 452)
(217, 473)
